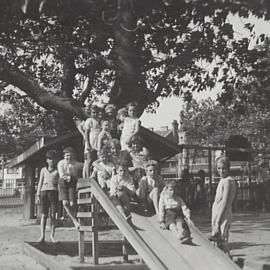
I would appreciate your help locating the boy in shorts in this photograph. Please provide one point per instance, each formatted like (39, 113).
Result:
(47, 193)
(69, 171)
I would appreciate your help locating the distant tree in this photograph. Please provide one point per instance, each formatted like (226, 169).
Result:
(22, 123)
(208, 122)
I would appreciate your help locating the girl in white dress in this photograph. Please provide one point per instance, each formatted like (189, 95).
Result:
(131, 126)
(222, 207)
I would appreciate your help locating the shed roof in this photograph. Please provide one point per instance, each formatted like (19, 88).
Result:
(160, 147)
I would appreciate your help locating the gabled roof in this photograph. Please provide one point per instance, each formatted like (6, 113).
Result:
(160, 147)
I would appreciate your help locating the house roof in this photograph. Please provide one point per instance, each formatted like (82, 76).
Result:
(160, 147)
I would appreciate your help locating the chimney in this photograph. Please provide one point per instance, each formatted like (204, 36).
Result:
(175, 131)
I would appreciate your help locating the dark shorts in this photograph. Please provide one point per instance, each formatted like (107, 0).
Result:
(67, 191)
(171, 215)
(48, 199)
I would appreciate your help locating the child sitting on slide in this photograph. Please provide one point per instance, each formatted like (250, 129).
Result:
(121, 190)
(104, 169)
(173, 211)
(150, 186)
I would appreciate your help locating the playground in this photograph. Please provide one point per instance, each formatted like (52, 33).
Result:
(250, 249)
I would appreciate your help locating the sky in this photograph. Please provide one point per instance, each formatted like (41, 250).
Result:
(170, 107)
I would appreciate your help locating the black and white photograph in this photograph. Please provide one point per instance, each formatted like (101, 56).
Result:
(134, 134)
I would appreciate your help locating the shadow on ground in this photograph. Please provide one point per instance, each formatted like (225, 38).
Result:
(106, 248)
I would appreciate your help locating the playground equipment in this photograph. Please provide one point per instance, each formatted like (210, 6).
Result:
(159, 249)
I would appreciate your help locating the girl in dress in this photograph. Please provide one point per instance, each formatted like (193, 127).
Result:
(131, 126)
(222, 207)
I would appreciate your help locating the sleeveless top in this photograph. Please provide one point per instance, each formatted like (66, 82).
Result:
(50, 179)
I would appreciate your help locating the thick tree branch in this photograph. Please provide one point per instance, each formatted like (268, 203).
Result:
(31, 87)
(179, 60)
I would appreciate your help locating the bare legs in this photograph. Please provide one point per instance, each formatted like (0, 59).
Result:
(43, 222)
(71, 213)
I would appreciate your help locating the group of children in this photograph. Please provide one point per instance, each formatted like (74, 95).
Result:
(125, 171)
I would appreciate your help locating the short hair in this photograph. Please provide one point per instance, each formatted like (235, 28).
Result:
(69, 150)
(223, 160)
(132, 104)
(51, 154)
(104, 151)
(115, 142)
(170, 183)
(110, 107)
(122, 163)
(135, 139)
(94, 108)
(122, 111)
(151, 162)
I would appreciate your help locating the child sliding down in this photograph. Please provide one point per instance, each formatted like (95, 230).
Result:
(121, 189)
(172, 211)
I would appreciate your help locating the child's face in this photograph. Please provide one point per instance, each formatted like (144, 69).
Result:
(136, 146)
(122, 117)
(51, 162)
(170, 190)
(110, 113)
(103, 158)
(132, 111)
(114, 150)
(94, 113)
(68, 157)
(106, 125)
(121, 171)
(223, 169)
(151, 171)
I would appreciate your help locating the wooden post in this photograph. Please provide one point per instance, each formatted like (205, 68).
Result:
(210, 174)
(94, 231)
(81, 246)
(29, 195)
(124, 250)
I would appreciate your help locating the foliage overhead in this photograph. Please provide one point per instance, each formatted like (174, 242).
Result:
(63, 53)
(23, 123)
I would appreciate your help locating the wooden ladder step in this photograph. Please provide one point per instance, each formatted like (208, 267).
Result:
(84, 190)
(87, 228)
(84, 215)
(84, 201)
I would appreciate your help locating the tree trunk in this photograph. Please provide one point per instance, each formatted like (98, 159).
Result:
(129, 83)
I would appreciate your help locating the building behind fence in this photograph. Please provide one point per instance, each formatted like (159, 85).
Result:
(11, 186)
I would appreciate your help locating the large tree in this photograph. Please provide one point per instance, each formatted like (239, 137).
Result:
(59, 53)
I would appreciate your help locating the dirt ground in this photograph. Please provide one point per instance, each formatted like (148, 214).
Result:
(13, 231)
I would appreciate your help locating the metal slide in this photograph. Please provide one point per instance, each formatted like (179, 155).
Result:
(160, 249)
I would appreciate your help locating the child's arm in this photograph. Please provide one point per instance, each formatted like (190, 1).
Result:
(142, 189)
(40, 183)
(87, 128)
(80, 127)
(97, 166)
(161, 212)
(130, 186)
(99, 140)
(185, 209)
